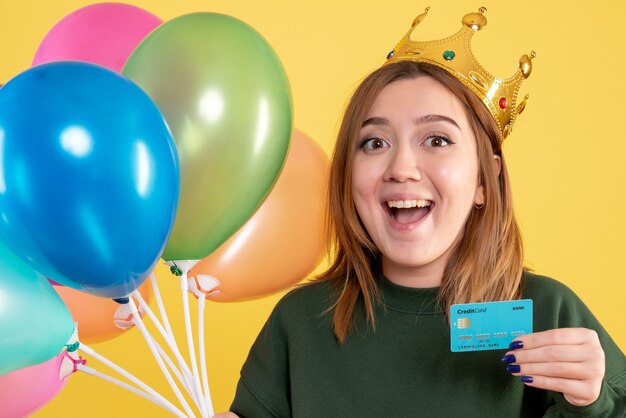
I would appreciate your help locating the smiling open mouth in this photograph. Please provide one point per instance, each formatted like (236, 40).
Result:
(407, 211)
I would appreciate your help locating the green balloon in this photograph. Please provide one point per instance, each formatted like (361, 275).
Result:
(226, 98)
(35, 324)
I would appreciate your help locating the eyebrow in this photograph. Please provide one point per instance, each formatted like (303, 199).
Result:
(422, 119)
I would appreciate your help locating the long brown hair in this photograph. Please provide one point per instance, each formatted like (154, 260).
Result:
(486, 263)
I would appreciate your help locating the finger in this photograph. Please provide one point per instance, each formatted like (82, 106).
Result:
(578, 371)
(551, 353)
(560, 336)
(575, 391)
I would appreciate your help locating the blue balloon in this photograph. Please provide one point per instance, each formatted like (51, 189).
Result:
(89, 176)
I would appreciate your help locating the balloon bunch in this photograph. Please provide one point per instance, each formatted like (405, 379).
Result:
(130, 140)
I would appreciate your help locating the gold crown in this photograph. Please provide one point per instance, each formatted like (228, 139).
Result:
(454, 54)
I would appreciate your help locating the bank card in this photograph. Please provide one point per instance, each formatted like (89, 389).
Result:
(489, 325)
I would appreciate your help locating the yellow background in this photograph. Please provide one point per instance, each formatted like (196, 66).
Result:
(565, 155)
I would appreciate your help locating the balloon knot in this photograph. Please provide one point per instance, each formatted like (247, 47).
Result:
(176, 270)
(121, 301)
(81, 361)
(72, 347)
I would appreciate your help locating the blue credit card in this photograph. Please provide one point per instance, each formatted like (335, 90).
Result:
(489, 325)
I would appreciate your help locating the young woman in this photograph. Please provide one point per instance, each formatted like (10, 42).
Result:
(421, 215)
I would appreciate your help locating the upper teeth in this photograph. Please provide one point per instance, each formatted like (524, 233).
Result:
(408, 203)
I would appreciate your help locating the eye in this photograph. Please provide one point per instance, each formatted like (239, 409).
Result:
(371, 144)
(437, 141)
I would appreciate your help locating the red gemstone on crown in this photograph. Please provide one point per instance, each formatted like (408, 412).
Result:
(502, 103)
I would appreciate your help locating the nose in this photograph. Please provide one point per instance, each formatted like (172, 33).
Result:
(403, 165)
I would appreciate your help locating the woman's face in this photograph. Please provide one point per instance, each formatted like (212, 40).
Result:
(415, 178)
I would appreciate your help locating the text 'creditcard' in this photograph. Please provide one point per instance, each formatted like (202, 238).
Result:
(489, 325)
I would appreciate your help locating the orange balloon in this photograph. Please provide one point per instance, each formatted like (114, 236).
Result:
(100, 319)
(282, 242)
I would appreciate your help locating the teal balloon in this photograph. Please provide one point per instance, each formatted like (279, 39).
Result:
(226, 98)
(35, 324)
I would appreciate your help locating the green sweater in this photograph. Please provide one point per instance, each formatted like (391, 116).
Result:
(296, 367)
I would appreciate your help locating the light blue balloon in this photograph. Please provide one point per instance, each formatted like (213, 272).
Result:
(35, 325)
(88, 177)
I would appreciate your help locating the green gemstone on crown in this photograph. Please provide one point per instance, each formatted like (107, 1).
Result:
(448, 55)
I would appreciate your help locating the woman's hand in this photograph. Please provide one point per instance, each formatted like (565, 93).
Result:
(566, 360)
(225, 415)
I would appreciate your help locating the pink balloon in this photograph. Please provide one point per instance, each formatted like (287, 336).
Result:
(103, 33)
(24, 391)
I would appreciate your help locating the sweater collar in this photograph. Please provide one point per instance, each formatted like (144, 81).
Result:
(409, 299)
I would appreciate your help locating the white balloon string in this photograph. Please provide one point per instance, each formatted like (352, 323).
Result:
(162, 402)
(205, 380)
(171, 342)
(187, 384)
(89, 351)
(139, 323)
(184, 286)
(157, 296)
